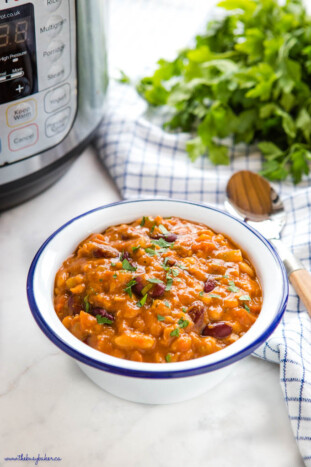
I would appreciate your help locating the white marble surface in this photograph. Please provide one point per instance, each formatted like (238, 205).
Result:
(49, 406)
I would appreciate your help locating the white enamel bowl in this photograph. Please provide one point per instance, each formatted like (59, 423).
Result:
(155, 383)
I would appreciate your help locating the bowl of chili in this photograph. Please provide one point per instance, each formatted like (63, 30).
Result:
(160, 347)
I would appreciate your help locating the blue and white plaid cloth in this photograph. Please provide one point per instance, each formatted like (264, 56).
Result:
(144, 161)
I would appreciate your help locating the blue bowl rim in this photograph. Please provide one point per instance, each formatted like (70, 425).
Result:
(165, 374)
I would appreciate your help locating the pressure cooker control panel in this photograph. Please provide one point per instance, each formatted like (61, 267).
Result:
(38, 82)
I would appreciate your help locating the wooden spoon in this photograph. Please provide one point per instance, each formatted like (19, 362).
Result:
(251, 197)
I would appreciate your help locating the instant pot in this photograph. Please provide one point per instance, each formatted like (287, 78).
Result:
(53, 79)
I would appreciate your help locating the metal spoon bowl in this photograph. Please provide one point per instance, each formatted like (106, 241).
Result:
(252, 199)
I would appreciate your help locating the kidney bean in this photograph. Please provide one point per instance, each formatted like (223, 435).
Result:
(138, 287)
(105, 251)
(125, 255)
(170, 238)
(218, 330)
(157, 290)
(209, 285)
(171, 261)
(196, 313)
(104, 313)
(74, 305)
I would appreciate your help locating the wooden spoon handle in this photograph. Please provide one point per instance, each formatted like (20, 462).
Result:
(301, 281)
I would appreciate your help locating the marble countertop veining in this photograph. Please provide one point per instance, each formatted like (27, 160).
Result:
(48, 406)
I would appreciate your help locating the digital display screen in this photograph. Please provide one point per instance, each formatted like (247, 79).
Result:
(18, 67)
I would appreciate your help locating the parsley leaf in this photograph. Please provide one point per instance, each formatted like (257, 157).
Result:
(168, 358)
(175, 333)
(154, 280)
(214, 295)
(124, 79)
(127, 265)
(247, 308)
(162, 243)
(143, 221)
(247, 76)
(142, 301)
(103, 320)
(86, 304)
(135, 248)
(169, 283)
(150, 251)
(163, 230)
(128, 287)
(183, 323)
(160, 318)
(232, 287)
(244, 297)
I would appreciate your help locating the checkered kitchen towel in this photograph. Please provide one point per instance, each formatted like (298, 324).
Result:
(145, 161)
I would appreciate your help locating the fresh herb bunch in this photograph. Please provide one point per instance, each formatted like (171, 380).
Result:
(249, 76)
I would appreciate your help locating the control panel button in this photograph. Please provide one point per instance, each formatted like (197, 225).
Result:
(54, 51)
(57, 123)
(23, 137)
(23, 112)
(57, 98)
(53, 26)
(56, 74)
(52, 5)
(20, 87)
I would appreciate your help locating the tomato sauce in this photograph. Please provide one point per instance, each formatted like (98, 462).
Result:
(157, 290)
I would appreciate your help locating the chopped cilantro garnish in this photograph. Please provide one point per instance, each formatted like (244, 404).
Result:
(175, 272)
(163, 230)
(201, 293)
(142, 301)
(113, 264)
(127, 265)
(232, 287)
(154, 280)
(246, 308)
(169, 282)
(166, 303)
(143, 221)
(182, 266)
(168, 358)
(162, 243)
(128, 287)
(150, 251)
(160, 318)
(153, 227)
(226, 277)
(135, 248)
(101, 280)
(103, 320)
(175, 333)
(184, 309)
(183, 323)
(86, 304)
(214, 295)
(114, 276)
(244, 297)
